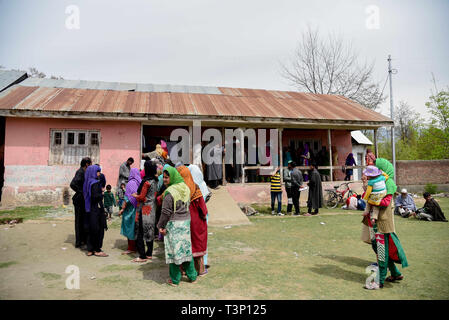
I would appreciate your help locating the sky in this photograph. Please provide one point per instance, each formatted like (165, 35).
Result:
(224, 43)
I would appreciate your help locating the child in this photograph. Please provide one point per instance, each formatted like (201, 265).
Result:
(109, 200)
(276, 192)
(121, 195)
(376, 190)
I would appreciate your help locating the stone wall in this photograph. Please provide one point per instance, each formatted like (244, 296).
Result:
(415, 174)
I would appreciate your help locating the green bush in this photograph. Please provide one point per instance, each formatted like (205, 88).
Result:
(430, 188)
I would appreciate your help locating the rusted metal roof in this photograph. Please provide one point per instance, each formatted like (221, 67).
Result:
(183, 101)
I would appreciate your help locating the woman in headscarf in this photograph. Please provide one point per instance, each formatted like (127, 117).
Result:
(129, 210)
(306, 158)
(382, 232)
(96, 219)
(146, 213)
(174, 224)
(198, 178)
(350, 161)
(198, 224)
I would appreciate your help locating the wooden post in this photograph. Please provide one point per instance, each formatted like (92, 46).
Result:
(191, 144)
(224, 182)
(376, 151)
(242, 149)
(329, 140)
(281, 160)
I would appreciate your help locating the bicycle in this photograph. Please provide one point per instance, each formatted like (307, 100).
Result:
(335, 196)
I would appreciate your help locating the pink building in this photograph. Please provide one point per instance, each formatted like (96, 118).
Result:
(49, 125)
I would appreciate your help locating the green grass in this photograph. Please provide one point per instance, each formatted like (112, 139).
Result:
(25, 213)
(7, 264)
(49, 275)
(300, 258)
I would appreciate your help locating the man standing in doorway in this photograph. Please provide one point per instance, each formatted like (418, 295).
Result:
(123, 173)
(296, 183)
(78, 202)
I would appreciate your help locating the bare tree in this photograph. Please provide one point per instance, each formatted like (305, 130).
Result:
(332, 67)
(33, 72)
(406, 121)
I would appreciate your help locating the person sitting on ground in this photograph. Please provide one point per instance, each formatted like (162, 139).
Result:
(109, 201)
(404, 204)
(431, 210)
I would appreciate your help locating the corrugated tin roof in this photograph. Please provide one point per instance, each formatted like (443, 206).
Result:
(360, 138)
(151, 99)
(9, 77)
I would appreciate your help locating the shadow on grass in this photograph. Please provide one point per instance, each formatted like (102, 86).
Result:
(339, 273)
(154, 272)
(120, 244)
(353, 261)
(70, 239)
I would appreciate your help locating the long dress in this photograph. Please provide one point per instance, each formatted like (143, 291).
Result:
(128, 221)
(96, 220)
(315, 198)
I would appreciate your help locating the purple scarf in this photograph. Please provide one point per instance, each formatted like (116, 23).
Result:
(132, 185)
(90, 177)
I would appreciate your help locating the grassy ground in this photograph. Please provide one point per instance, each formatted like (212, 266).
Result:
(318, 257)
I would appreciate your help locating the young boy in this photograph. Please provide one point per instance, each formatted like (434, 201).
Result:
(109, 200)
(276, 192)
(121, 195)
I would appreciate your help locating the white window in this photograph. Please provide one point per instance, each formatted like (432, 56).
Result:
(70, 146)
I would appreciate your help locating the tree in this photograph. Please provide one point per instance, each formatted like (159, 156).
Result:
(332, 67)
(33, 72)
(406, 122)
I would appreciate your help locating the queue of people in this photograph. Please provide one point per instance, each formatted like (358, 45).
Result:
(166, 203)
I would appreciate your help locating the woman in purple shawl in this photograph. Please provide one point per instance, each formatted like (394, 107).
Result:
(306, 160)
(129, 210)
(96, 219)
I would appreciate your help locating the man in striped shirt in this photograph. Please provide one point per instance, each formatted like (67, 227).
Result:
(276, 191)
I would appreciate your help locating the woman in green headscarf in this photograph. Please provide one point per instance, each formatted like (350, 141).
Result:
(174, 224)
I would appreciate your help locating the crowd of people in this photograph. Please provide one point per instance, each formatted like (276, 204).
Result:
(167, 202)
(161, 202)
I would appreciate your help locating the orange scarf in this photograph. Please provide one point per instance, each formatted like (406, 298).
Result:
(195, 191)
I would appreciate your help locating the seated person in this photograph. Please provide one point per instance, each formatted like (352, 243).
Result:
(431, 210)
(404, 204)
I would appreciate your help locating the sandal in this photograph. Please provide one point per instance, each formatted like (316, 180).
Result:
(149, 257)
(170, 283)
(101, 254)
(392, 279)
(127, 252)
(139, 260)
(89, 254)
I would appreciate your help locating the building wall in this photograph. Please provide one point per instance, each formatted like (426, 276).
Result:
(28, 177)
(340, 139)
(421, 172)
(358, 149)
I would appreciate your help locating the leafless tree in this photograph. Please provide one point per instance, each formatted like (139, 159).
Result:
(33, 72)
(331, 66)
(405, 121)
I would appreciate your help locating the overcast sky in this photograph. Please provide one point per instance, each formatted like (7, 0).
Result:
(222, 43)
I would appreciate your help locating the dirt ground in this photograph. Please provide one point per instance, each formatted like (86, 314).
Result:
(35, 256)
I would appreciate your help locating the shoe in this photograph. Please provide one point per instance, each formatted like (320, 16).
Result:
(273, 213)
(204, 273)
(281, 214)
(307, 214)
(296, 214)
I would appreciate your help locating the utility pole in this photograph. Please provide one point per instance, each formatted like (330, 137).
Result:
(393, 148)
